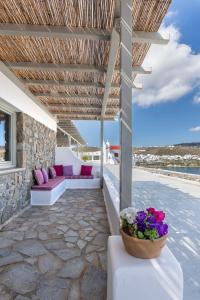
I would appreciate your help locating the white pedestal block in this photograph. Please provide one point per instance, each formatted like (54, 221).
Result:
(131, 278)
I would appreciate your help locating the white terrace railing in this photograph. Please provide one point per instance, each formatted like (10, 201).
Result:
(111, 198)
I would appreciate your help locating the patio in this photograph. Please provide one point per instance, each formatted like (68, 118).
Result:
(56, 252)
(62, 61)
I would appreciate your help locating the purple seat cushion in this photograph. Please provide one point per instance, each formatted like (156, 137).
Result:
(79, 177)
(52, 172)
(45, 175)
(38, 177)
(67, 170)
(50, 185)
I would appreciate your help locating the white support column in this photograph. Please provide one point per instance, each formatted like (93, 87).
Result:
(77, 145)
(102, 154)
(70, 140)
(126, 105)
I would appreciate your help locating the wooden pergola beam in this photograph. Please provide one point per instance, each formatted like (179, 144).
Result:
(137, 70)
(84, 117)
(79, 106)
(48, 31)
(63, 32)
(69, 67)
(66, 83)
(68, 134)
(55, 67)
(80, 113)
(75, 96)
(150, 37)
(111, 67)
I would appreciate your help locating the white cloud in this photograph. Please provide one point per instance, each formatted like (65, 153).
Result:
(196, 99)
(195, 129)
(175, 71)
(171, 14)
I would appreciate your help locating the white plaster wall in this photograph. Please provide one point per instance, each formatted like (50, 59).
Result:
(65, 156)
(11, 92)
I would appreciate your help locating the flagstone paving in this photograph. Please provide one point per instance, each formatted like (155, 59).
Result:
(57, 252)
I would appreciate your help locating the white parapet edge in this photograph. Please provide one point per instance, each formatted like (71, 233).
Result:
(14, 93)
(111, 199)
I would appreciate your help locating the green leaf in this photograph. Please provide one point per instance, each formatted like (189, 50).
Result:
(140, 235)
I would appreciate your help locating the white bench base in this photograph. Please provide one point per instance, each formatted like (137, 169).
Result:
(41, 197)
(83, 183)
(48, 197)
(131, 278)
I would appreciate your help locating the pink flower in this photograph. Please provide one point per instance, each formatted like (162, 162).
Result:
(151, 210)
(159, 215)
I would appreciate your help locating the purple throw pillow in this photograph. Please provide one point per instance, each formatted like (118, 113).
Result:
(52, 172)
(45, 175)
(38, 176)
(67, 170)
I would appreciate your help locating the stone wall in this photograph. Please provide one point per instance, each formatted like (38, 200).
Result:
(35, 148)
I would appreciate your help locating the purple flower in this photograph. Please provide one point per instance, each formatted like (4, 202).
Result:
(152, 225)
(151, 219)
(162, 229)
(141, 215)
(141, 226)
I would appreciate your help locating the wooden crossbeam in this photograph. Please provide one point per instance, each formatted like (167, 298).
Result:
(66, 83)
(64, 32)
(80, 113)
(75, 96)
(150, 37)
(68, 134)
(55, 67)
(83, 117)
(61, 32)
(69, 67)
(79, 106)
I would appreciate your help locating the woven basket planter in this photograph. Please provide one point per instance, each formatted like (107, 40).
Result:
(139, 248)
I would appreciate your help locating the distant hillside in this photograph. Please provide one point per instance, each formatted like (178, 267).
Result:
(188, 145)
(175, 150)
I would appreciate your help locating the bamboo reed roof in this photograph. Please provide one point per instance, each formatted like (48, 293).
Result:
(69, 127)
(44, 63)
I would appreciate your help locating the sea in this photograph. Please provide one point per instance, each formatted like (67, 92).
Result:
(189, 170)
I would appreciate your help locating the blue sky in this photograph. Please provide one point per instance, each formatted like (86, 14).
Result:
(2, 142)
(167, 111)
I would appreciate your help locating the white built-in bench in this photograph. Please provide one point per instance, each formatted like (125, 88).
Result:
(49, 193)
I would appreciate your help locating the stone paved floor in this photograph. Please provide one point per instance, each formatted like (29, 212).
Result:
(58, 252)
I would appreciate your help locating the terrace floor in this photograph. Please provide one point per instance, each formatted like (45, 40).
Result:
(181, 202)
(58, 252)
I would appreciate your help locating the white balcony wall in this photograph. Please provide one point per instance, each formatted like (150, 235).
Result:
(13, 92)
